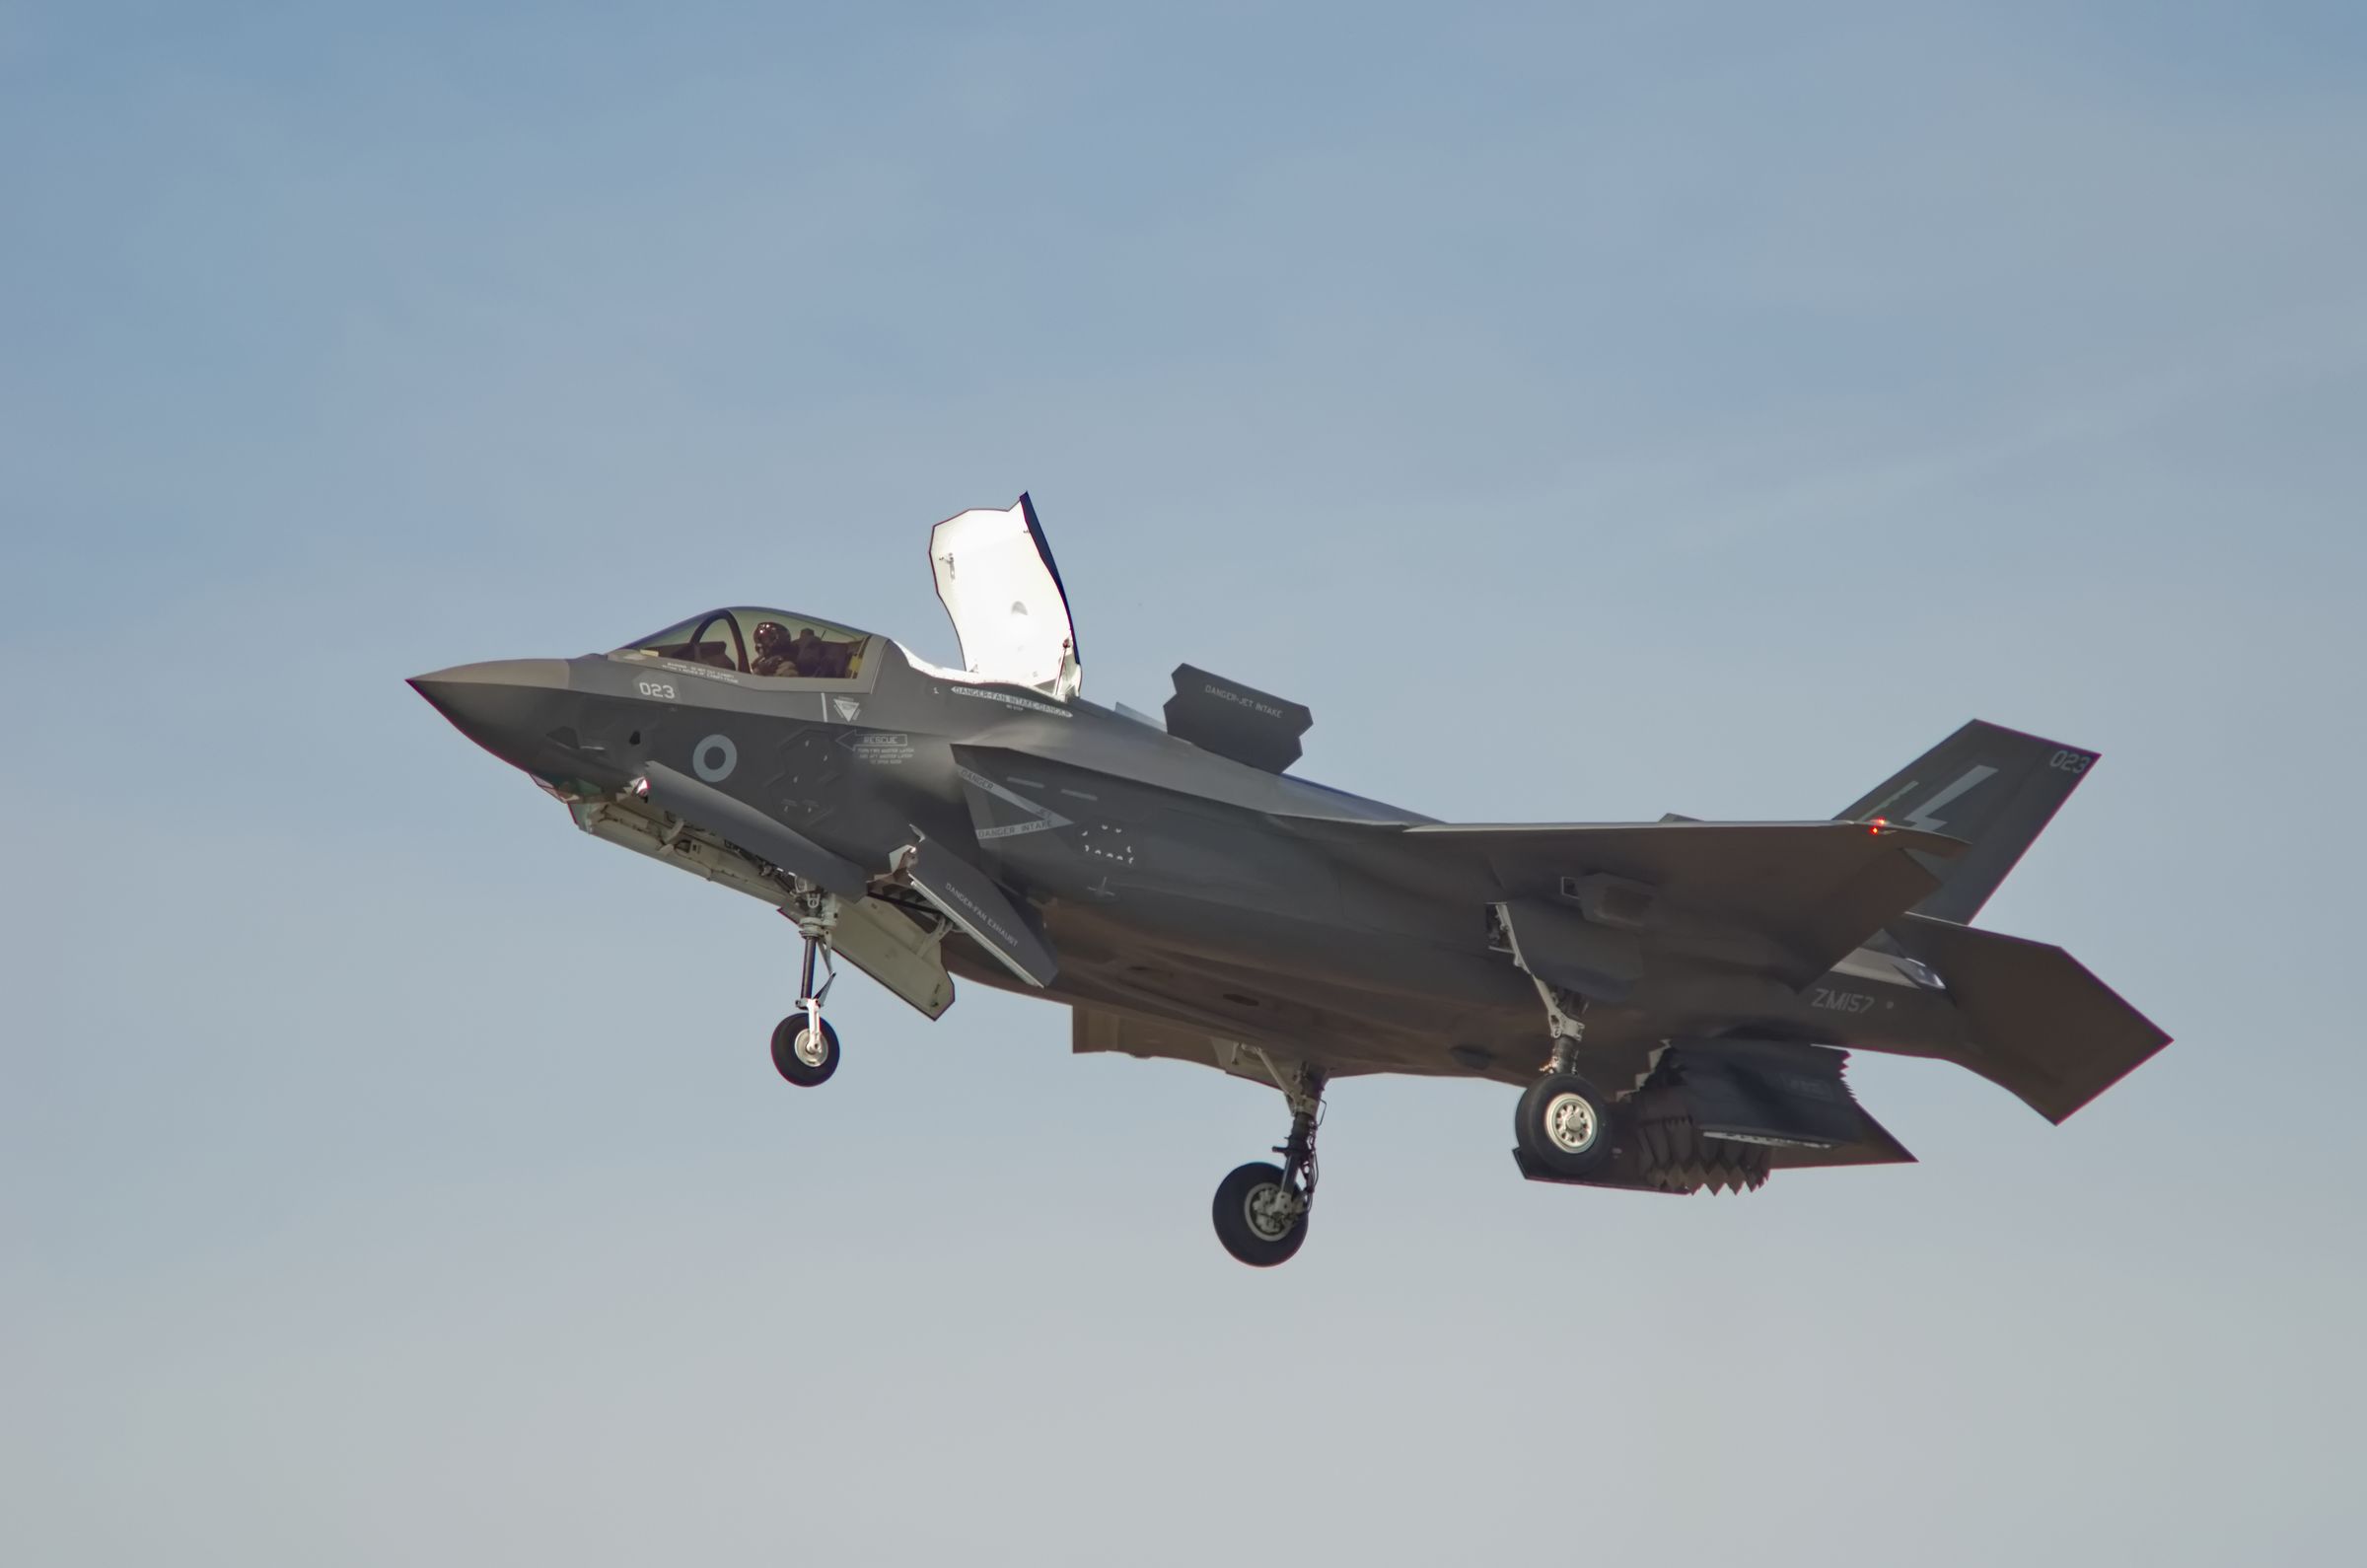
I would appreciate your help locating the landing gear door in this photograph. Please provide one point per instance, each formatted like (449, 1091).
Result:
(886, 944)
(997, 582)
(969, 898)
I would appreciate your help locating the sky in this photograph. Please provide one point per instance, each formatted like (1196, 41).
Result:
(1748, 396)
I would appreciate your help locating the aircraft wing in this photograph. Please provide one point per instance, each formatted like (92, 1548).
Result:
(1817, 890)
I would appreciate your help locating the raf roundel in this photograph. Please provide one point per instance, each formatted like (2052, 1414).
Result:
(715, 758)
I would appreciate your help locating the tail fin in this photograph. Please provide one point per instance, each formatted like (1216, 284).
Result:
(1992, 787)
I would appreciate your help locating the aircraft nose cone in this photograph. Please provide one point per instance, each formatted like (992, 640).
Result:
(505, 705)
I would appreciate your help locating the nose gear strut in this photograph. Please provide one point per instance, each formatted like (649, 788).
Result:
(805, 1049)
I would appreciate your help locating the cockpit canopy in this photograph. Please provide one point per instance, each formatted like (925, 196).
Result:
(777, 643)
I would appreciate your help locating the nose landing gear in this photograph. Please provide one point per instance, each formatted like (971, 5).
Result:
(1261, 1209)
(805, 1049)
(802, 1053)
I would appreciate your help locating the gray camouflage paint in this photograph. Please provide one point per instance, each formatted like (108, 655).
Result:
(1187, 902)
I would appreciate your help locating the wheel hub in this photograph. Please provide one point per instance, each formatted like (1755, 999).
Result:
(811, 1047)
(1269, 1211)
(1571, 1124)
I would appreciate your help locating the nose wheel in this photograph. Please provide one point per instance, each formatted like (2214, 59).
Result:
(805, 1049)
(804, 1053)
(1261, 1209)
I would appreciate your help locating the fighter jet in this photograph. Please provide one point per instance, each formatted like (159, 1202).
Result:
(1676, 1000)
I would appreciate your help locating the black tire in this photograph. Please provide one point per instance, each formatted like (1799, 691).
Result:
(792, 1063)
(1563, 1123)
(1243, 1235)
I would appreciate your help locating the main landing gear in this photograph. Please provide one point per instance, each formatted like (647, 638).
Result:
(805, 1049)
(1563, 1122)
(1261, 1209)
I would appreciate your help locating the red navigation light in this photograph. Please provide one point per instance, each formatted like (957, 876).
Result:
(1879, 822)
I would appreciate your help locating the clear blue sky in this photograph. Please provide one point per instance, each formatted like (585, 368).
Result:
(388, 1173)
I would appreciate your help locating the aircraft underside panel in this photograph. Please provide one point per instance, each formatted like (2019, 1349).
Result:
(888, 944)
(986, 914)
(1132, 1035)
(878, 938)
(748, 828)
(1561, 947)
(634, 825)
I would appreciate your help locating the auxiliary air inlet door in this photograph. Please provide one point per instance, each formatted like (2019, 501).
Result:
(997, 582)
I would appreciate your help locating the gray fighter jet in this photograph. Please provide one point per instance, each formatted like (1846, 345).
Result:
(1673, 997)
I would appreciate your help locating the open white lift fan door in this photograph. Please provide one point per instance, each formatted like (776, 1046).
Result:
(996, 579)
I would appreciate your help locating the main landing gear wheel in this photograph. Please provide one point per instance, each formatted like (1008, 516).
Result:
(1261, 1209)
(1563, 1123)
(804, 1055)
(1258, 1219)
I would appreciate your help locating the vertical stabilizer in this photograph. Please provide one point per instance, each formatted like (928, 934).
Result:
(1992, 787)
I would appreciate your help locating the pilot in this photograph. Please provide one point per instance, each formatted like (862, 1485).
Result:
(818, 659)
(776, 655)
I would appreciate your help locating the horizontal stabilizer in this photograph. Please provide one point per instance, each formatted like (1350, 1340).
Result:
(1236, 721)
(969, 898)
(2041, 1026)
